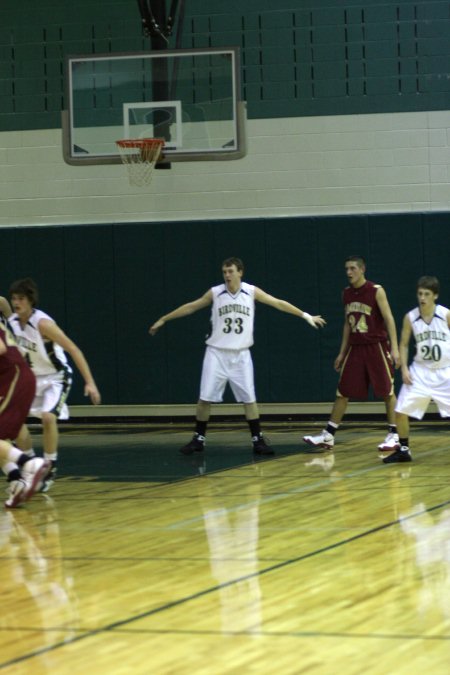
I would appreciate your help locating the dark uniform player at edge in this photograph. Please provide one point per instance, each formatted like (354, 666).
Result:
(17, 388)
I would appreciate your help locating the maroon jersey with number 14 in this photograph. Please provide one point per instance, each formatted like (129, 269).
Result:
(363, 314)
(17, 386)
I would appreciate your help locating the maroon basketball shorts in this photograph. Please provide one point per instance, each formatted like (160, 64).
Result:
(367, 365)
(16, 396)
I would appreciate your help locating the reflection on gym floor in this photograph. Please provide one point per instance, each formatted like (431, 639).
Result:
(232, 529)
(146, 561)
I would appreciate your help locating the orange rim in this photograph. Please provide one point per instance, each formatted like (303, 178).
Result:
(140, 143)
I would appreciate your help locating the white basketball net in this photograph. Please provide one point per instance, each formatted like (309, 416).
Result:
(140, 156)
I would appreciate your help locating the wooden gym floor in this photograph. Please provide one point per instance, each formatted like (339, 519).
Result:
(141, 561)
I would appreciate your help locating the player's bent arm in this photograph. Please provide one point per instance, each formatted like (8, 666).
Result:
(391, 328)
(51, 331)
(183, 310)
(405, 338)
(5, 307)
(284, 306)
(3, 347)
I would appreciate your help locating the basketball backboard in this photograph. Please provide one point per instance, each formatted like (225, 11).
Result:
(191, 98)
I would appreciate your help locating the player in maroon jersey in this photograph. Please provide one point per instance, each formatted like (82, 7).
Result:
(369, 351)
(17, 388)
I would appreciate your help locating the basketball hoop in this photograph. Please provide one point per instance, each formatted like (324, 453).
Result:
(140, 155)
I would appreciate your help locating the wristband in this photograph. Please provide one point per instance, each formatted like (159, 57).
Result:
(309, 319)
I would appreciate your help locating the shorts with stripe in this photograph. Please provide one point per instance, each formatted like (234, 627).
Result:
(51, 394)
(367, 365)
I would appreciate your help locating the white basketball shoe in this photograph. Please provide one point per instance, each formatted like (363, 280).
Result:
(33, 473)
(322, 440)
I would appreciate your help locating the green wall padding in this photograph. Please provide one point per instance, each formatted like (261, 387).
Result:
(106, 284)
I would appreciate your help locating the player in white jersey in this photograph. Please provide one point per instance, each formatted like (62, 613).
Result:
(428, 376)
(227, 357)
(43, 344)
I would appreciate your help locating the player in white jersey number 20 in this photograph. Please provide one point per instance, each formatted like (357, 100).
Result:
(427, 378)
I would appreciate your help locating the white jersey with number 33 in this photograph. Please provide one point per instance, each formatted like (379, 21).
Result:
(232, 317)
(432, 339)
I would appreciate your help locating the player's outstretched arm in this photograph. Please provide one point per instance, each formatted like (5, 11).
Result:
(315, 321)
(183, 310)
(51, 331)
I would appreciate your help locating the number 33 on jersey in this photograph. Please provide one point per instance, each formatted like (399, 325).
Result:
(232, 317)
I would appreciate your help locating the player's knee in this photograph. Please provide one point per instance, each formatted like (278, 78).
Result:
(48, 419)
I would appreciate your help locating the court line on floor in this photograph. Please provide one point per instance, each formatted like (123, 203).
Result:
(324, 482)
(213, 589)
(274, 633)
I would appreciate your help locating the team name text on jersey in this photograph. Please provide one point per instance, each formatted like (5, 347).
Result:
(358, 307)
(433, 334)
(228, 309)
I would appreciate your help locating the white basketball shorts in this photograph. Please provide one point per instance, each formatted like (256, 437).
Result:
(222, 366)
(51, 395)
(427, 385)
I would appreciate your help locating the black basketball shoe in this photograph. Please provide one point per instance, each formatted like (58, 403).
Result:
(196, 444)
(260, 447)
(401, 455)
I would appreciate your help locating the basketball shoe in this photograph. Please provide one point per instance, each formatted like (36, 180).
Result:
(403, 454)
(322, 440)
(390, 443)
(16, 493)
(33, 473)
(260, 447)
(50, 478)
(196, 444)
(22, 489)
